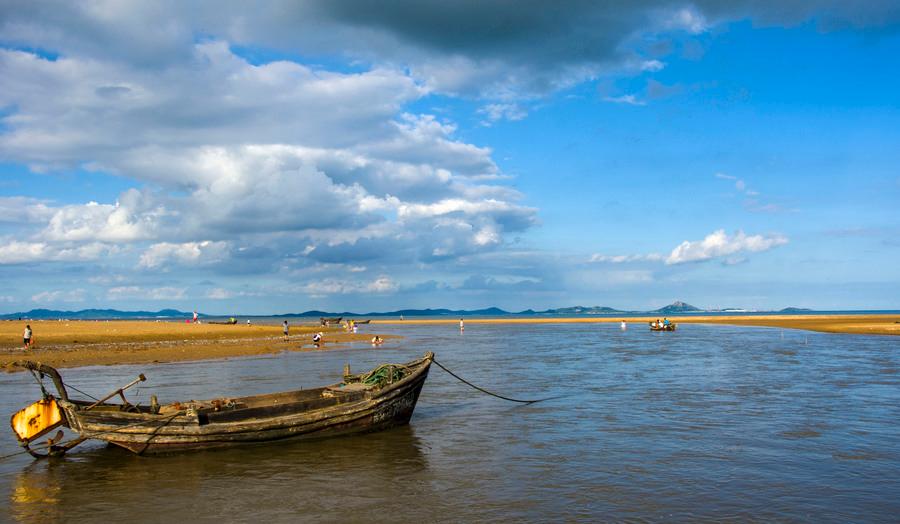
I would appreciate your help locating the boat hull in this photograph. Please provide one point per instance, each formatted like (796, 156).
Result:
(346, 413)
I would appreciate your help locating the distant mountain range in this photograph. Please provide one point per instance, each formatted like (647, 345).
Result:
(675, 308)
(96, 314)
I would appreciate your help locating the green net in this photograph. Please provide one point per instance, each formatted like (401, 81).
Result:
(384, 374)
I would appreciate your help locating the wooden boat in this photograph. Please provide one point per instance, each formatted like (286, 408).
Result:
(670, 327)
(373, 401)
(330, 320)
(362, 321)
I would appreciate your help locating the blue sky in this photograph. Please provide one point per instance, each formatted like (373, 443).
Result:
(341, 156)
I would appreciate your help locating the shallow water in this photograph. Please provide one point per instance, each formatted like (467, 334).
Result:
(709, 422)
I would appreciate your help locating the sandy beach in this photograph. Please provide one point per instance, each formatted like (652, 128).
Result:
(66, 344)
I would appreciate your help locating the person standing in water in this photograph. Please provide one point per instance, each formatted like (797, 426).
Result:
(624, 326)
(462, 325)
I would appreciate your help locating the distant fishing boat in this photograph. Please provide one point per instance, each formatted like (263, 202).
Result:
(362, 321)
(330, 320)
(230, 322)
(662, 327)
(372, 401)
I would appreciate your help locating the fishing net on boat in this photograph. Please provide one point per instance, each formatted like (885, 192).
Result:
(381, 376)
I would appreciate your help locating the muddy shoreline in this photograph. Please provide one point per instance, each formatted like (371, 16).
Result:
(67, 344)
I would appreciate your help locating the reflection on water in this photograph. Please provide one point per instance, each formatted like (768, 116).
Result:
(289, 478)
(709, 422)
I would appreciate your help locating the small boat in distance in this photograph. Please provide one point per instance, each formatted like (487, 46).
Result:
(327, 321)
(379, 399)
(230, 322)
(662, 327)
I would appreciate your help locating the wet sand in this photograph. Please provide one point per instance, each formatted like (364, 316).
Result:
(65, 344)
(852, 324)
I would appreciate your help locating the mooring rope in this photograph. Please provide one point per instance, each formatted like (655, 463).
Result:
(464, 381)
(82, 392)
(40, 381)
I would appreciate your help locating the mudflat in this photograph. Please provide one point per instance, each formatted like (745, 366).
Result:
(65, 344)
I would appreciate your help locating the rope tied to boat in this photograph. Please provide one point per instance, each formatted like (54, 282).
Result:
(39, 378)
(68, 385)
(464, 381)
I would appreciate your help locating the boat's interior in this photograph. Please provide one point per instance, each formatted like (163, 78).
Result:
(298, 400)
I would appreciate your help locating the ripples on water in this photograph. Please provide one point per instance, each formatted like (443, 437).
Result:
(709, 422)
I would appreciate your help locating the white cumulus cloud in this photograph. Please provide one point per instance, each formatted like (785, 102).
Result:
(187, 253)
(496, 112)
(719, 244)
(382, 284)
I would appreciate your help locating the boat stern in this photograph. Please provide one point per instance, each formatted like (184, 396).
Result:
(37, 420)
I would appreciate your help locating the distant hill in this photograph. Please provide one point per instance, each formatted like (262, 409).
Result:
(491, 311)
(96, 314)
(795, 310)
(675, 308)
(577, 310)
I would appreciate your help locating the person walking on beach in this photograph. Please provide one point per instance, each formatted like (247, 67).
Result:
(195, 317)
(27, 336)
(284, 329)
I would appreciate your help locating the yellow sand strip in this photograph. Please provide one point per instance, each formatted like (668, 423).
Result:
(65, 344)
